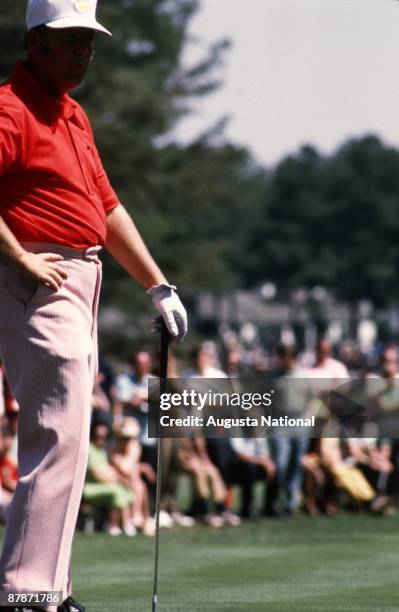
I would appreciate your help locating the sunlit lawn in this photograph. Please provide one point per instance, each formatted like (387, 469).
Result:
(349, 563)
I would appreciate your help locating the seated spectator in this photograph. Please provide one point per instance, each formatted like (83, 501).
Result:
(320, 493)
(208, 484)
(170, 511)
(125, 458)
(345, 474)
(333, 466)
(104, 487)
(391, 448)
(371, 456)
(252, 464)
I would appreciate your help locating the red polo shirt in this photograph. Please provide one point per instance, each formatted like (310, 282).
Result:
(53, 187)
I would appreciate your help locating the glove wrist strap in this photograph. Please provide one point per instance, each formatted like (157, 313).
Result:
(156, 288)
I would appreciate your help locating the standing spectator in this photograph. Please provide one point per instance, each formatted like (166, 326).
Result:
(204, 365)
(287, 452)
(326, 366)
(383, 391)
(100, 403)
(232, 363)
(107, 378)
(132, 392)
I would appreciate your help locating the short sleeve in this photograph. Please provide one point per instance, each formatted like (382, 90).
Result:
(108, 196)
(10, 140)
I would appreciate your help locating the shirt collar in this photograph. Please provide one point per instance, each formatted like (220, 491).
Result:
(34, 95)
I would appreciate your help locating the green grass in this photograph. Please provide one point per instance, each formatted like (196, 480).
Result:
(346, 564)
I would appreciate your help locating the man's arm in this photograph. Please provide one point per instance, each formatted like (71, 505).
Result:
(125, 244)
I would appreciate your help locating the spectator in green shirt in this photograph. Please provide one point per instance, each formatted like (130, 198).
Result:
(103, 486)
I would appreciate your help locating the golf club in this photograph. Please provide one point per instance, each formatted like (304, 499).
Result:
(163, 375)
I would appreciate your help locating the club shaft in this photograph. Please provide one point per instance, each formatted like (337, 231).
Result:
(163, 376)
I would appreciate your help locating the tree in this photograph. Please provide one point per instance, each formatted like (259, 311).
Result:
(332, 221)
(190, 203)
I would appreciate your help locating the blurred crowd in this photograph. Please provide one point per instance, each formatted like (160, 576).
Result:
(222, 481)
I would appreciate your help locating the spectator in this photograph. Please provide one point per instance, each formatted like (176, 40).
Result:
(5, 493)
(287, 452)
(320, 493)
(326, 366)
(252, 464)
(204, 367)
(383, 391)
(132, 401)
(383, 388)
(132, 389)
(125, 458)
(104, 486)
(232, 361)
(11, 421)
(101, 405)
(371, 457)
(208, 483)
(170, 512)
(8, 466)
(345, 474)
(107, 378)
(8, 403)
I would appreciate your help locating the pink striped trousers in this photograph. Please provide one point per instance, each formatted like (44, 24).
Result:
(48, 342)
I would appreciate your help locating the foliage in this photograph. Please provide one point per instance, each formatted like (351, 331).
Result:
(332, 221)
(214, 219)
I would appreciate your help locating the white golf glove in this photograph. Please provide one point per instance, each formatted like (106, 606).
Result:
(167, 302)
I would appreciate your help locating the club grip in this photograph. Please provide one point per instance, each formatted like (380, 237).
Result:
(165, 339)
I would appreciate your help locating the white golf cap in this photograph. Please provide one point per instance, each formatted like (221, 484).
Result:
(63, 14)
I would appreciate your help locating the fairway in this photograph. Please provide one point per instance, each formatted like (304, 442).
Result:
(346, 564)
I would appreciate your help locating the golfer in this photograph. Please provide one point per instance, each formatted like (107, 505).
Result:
(57, 209)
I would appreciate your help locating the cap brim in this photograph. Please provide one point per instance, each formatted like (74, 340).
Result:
(77, 22)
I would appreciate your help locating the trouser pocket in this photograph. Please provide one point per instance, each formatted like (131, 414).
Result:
(18, 286)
